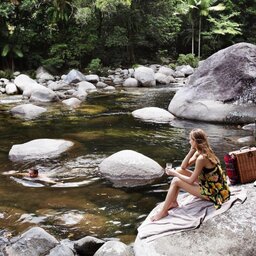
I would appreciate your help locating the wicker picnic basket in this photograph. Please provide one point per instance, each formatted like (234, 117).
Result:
(246, 163)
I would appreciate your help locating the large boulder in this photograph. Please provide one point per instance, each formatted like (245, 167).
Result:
(128, 168)
(36, 92)
(34, 242)
(222, 89)
(231, 233)
(39, 149)
(145, 76)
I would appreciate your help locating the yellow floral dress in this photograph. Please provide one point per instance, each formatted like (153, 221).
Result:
(213, 184)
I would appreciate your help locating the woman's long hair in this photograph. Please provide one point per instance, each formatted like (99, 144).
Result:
(202, 145)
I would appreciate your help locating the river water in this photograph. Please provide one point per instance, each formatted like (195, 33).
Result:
(102, 126)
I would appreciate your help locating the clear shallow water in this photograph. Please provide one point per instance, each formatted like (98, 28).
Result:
(102, 126)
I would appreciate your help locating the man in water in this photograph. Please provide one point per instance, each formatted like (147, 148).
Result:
(32, 174)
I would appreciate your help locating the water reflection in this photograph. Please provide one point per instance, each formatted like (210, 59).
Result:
(100, 127)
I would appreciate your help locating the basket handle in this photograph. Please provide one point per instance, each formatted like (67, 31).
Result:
(249, 153)
(246, 147)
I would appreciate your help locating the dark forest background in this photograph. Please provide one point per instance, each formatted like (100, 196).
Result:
(86, 34)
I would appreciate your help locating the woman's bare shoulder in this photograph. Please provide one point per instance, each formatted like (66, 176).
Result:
(202, 160)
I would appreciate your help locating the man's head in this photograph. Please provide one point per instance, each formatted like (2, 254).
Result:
(33, 172)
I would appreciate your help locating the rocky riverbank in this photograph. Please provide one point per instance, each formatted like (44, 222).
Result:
(71, 90)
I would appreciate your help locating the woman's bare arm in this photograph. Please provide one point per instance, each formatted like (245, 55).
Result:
(190, 158)
(200, 163)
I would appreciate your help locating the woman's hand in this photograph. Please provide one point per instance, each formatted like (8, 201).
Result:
(170, 171)
(192, 149)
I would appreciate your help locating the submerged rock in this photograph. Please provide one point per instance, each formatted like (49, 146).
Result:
(222, 89)
(128, 168)
(28, 111)
(153, 114)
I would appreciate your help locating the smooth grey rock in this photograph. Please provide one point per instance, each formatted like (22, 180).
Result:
(72, 102)
(16, 73)
(43, 94)
(145, 76)
(250, 127)
(86, 86)
(131, 82)
(101, 85)
(179, 74)
(74, 76)
(164, 79)
(109, 88)
(128, 168)
(59, 85)
(35, 91)
(35, 242)
(26, 84)
(88, 245)
(11, 89)
(114, 248)
(28, 111)
(222, 88)
(4, 81)
(61, 250)
(39, 149)
(118, 80)
(80, 94)
(153, 114)
(43, 74)
(166, 71)
(187, 70)
(92, 78)
(232, 233)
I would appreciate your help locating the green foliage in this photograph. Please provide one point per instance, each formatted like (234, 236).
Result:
(109, 6)
(172, 66)
(135, 66)
(162, 56)
(7, 73)
(59, 53)
(65, 34)
(118, 37)
(187, 59)
(84, 15)
(224, 25)
(95, 66)
(6, 9)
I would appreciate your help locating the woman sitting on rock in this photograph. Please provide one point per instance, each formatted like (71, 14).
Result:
(207, 181)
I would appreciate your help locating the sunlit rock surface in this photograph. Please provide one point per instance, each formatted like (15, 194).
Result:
(28, 111)
(39, 149)
(232, 233)
(153, 114)
(128, 168)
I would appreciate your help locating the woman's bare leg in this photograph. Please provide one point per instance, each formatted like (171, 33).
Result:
(171, 197)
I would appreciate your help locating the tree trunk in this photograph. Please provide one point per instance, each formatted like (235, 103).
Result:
(199, 38)
(193, 39)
